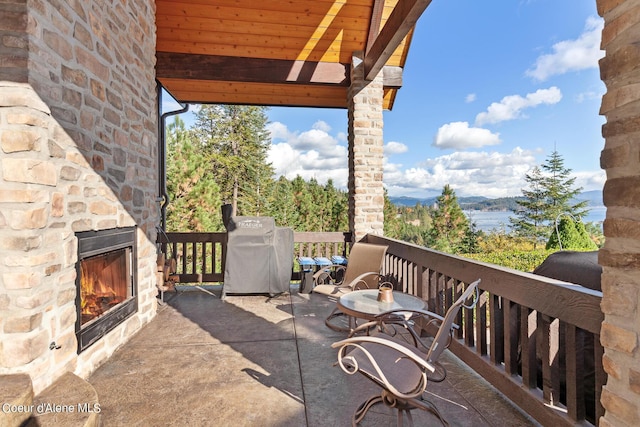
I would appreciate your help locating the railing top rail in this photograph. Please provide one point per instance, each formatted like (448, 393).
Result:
(172, 237)
(568, 302)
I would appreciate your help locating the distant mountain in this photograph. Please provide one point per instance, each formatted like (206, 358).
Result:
(486, 204)
(411, 201)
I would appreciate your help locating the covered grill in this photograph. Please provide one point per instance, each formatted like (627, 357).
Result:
(259, 257)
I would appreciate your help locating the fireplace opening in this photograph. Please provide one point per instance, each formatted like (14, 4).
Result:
(106, 282)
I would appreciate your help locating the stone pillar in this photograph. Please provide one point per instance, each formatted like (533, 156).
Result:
(620, 256)
(366, 194)
(78, 152)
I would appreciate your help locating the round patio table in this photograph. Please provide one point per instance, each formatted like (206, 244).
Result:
(364, 304)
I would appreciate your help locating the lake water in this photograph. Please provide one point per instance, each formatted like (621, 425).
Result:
(487, 221)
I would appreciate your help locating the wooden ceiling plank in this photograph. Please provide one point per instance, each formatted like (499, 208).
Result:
(196, 98)
(248, 27)
(269, 4)
(402, 19)
(251, 51)
(350, 39)
(257, 88)
(279, 12)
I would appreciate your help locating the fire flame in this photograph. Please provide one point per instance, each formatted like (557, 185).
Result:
(97, 294)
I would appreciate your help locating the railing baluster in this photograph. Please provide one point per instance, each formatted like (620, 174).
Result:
(496, 329)
(469, 327)
(481, 325)
(183, 255)
(600, 376)
(548, 336)
(510, 320)
(574, 339)
(455, 294)
(203, 261)
(528, 335)
(194, 257)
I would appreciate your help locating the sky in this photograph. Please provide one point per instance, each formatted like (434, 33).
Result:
(490, 90)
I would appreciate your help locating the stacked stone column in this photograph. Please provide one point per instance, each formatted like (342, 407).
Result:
(78, 152)
(620, 257)
(366, 193)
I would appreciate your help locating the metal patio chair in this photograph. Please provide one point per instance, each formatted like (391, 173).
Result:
(400, 368)
(362, 272)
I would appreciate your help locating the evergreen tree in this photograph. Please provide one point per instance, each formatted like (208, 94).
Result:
(281, 204)
(550, 195)
(193, 191)
(393, 223)
(305, 205)
(531, 218)
(560, 190)
(238, 141)
(336, 218)
(450, 225)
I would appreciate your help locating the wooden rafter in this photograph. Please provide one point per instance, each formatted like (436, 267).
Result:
(376, 21)
(402, 19)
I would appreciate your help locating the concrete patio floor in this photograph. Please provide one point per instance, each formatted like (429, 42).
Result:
(255, 361)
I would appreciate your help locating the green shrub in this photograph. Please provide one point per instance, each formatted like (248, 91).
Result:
(573, 236)
(519, 260)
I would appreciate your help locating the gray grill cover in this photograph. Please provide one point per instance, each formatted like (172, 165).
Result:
(259, 256)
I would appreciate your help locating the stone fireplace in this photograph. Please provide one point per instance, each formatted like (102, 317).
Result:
(78, 183)
(106, 282)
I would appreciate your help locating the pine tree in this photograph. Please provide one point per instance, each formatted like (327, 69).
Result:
(560, 191)
(191, 185)
(550, 195)
(449, 226)
(531, 218)
(281, 204)
(238, 141)
(336, 218)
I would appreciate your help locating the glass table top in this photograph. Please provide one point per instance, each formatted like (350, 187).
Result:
(364, 303)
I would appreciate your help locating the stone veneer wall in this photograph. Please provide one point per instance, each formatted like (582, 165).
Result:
(365, 122)
(78, 151)
(620, 257)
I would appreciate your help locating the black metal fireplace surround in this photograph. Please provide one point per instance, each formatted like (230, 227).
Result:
(106, 282)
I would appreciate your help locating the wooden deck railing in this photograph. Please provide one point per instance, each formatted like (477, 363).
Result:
(535, 339)
(200, 256)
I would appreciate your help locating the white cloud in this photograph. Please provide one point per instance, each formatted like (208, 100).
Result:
(571, 55)
(512, 106)
(313, 139)
(470, 98)
(321, 125)
(278, 131)
(589, 95)
(488, 174)
(590, 180)
(393, 147)
(311, 154)
(459, 136)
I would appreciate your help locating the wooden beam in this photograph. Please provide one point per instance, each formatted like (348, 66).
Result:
(391, 77)
(233, 69)
(237, 69)
(374, 25)
(402, 19)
